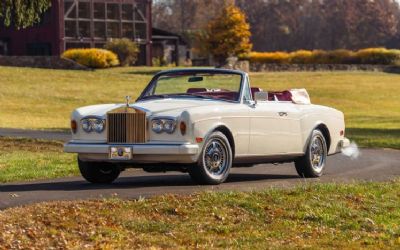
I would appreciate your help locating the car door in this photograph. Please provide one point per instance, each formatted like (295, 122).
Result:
(275, 128)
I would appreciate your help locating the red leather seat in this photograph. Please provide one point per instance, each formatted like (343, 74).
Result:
(283, 96)
(225, 95)
(195, 90)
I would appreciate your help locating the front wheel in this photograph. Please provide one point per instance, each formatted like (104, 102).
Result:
(214, 162)
(312, 164)
(98, 172)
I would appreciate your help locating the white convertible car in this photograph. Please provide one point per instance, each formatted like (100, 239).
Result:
(204, 122)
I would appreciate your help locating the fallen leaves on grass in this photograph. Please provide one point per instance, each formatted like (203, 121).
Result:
(317, 218)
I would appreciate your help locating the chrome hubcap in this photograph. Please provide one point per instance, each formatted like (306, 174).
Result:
(317, 154)
(215, 157)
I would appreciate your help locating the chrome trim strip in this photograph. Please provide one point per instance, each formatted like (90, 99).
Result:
(137, 149)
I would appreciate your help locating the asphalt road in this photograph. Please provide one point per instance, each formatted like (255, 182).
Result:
(36, 134)
(372, 165)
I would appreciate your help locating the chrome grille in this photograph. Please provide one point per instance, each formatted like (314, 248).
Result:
(126, 128)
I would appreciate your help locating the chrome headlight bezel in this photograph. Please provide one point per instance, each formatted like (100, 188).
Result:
(163, 125)
(93, 124)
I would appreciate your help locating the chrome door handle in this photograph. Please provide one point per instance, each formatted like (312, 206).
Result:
(283, 113)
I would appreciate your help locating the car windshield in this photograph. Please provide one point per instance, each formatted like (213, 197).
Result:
(220, 86)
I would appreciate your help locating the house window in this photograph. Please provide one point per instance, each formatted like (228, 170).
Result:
(84, 10)
(140, 30)
(70, 29)
(70, 9)
(127, 12)
(113, 11)
(127, 30)
(100, 29)
(84, 29)
(99, 10)
(39, 49)
(113, 30)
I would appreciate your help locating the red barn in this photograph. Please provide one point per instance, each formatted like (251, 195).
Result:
(82, 24)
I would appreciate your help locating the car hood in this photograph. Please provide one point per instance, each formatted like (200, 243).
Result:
(167, 107)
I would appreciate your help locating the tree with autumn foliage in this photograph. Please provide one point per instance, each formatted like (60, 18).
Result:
(22, 14)
(228, 34)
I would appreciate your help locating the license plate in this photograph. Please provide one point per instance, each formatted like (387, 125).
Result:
(120, 153)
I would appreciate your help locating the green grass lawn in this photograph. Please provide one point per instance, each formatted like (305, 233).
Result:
(23, 159)
(44, 99)
(315, 216)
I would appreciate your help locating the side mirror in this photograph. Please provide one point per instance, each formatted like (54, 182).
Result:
(261, 96)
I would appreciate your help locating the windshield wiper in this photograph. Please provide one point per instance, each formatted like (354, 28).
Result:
(192, 95)
(154, 96)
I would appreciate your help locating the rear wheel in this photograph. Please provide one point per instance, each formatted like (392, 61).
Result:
(214, 162)
(98, 172)
(312, 164)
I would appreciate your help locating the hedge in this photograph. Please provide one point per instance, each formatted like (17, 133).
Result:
(92, 58)
(126, 50)
(365, 56)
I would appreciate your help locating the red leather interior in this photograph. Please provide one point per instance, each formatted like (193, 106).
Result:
(280, 95)
(233, 96)
(195, 90)
(226, 95)
(284, 96)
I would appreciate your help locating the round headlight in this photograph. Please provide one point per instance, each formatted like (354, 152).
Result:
(169, 126)
(157, 126)
(98, 125)
(93, 125)
(86, 125)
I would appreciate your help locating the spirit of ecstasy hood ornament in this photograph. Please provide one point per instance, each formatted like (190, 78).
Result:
(128, 98)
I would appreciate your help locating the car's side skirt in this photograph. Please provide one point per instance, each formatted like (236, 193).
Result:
(258, 159)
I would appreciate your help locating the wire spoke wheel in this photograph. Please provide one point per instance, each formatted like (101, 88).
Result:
(317, 154)
(312, 163)
(215, 157)
(215, 161)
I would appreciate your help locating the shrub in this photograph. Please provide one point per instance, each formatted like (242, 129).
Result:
(378, 56)
(341, 56)
(301, 57)
(126, 49)
(272, 57)
(92, 58)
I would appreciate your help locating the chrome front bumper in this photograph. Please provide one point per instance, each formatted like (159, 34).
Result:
(137, 149)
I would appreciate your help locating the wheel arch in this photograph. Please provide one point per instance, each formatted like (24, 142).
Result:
(325, 131)
(227, 132)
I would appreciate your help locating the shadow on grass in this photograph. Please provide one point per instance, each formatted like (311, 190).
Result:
(373, 137)
(159, 182)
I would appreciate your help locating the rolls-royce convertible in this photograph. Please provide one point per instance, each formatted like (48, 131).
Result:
(204, 122)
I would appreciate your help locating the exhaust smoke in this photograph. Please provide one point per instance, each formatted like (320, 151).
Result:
(351, 151)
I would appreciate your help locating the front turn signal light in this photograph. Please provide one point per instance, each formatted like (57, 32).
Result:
(74, 126)
(182, 127)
